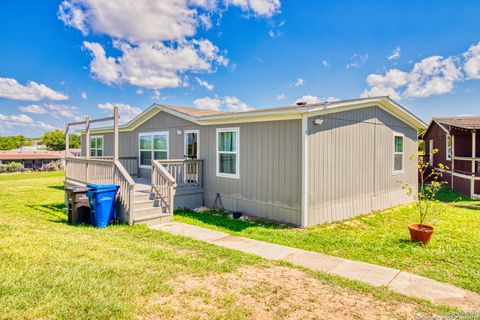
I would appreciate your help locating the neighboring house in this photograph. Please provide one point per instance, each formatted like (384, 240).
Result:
(302, 164)
(457, 140)
(31, 159)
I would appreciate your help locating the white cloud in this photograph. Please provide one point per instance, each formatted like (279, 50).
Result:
(35, 109)
(227, 103)
(297, 83)
(83, 94)
(102, 67)
(281, 97)
(145, 20)
(61, 111)
(154, 66)
(126, 111)
(326, 64)
(204, 84)
(32, 91)
(156, 39)
(58, 111)
(395, 54)
(22, 120)
(135, 21)
(308, 99)
(314, 99)
(431, 76)
(356, 61)
(260, 7)
(472, 62)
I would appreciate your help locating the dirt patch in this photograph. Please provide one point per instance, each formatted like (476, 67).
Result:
(269, 292)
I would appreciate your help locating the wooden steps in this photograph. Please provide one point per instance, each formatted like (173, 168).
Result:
(147, 210)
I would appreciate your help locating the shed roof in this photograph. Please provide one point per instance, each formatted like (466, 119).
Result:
(31, 155)
(465, 122)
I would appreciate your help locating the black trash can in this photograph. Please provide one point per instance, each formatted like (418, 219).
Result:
(78, 205)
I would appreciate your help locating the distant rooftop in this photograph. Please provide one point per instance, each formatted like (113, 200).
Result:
(465, 122)
(31, 155)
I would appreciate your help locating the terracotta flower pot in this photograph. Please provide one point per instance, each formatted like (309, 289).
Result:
(420, 232)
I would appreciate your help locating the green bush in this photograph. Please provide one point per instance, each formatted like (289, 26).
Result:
(11, 167)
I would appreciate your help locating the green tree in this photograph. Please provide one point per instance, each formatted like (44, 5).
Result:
(55, 140)
(13, 142)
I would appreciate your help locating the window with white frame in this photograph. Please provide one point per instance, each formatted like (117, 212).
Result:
(398, 152)
(152, 145)
(449, 146)
(96, 146)
(228, 161)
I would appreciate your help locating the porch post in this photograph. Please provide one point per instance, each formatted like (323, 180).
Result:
(115, 133)
(87, 138)
(67, 142)
(87, 147)
(474, 153)
(453, 160)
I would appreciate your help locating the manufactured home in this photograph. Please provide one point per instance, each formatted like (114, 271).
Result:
(457, 144)
(303, 165)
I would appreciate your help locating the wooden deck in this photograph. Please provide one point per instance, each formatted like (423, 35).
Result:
(173, 184)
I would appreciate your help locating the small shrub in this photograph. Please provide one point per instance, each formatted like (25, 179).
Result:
(13, 167)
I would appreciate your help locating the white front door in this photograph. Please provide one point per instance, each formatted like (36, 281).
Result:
(191, 144)
(430, 150)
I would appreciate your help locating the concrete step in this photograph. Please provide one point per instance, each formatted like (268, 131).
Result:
(152, 219)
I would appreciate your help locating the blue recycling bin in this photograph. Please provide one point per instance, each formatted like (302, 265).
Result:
(102, 203)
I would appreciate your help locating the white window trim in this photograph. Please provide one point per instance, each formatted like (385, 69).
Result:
(185, 142)
(217, 154)
(448, 155)
(102, 148)
(397, 172)
(141, 134)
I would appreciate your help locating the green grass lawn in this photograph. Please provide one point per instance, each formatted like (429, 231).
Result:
(49, 269)
(381, 238)
(52, 270)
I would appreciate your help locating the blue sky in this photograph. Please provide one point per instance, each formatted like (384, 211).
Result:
(63, 60)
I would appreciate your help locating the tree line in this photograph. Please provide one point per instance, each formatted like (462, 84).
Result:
(53, 140)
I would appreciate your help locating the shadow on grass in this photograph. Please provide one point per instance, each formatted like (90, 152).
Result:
(59, 187)
(56, 212)
(221, 219)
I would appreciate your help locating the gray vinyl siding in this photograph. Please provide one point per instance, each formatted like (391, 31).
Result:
(350, 164)
(270, 170)
(128, 140)
(270, 164)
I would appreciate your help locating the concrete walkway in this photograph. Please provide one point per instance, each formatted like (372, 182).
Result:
(402, 282)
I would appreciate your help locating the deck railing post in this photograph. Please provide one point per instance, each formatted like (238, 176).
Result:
(115, 133)
(87, 146)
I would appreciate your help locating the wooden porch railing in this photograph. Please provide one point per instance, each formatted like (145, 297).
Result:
(187, 173)
(467, 165)
(98, 171)
(163, 186)
(129, 163)
(126, 193)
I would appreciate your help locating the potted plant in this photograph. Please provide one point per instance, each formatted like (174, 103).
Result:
(427, 205)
